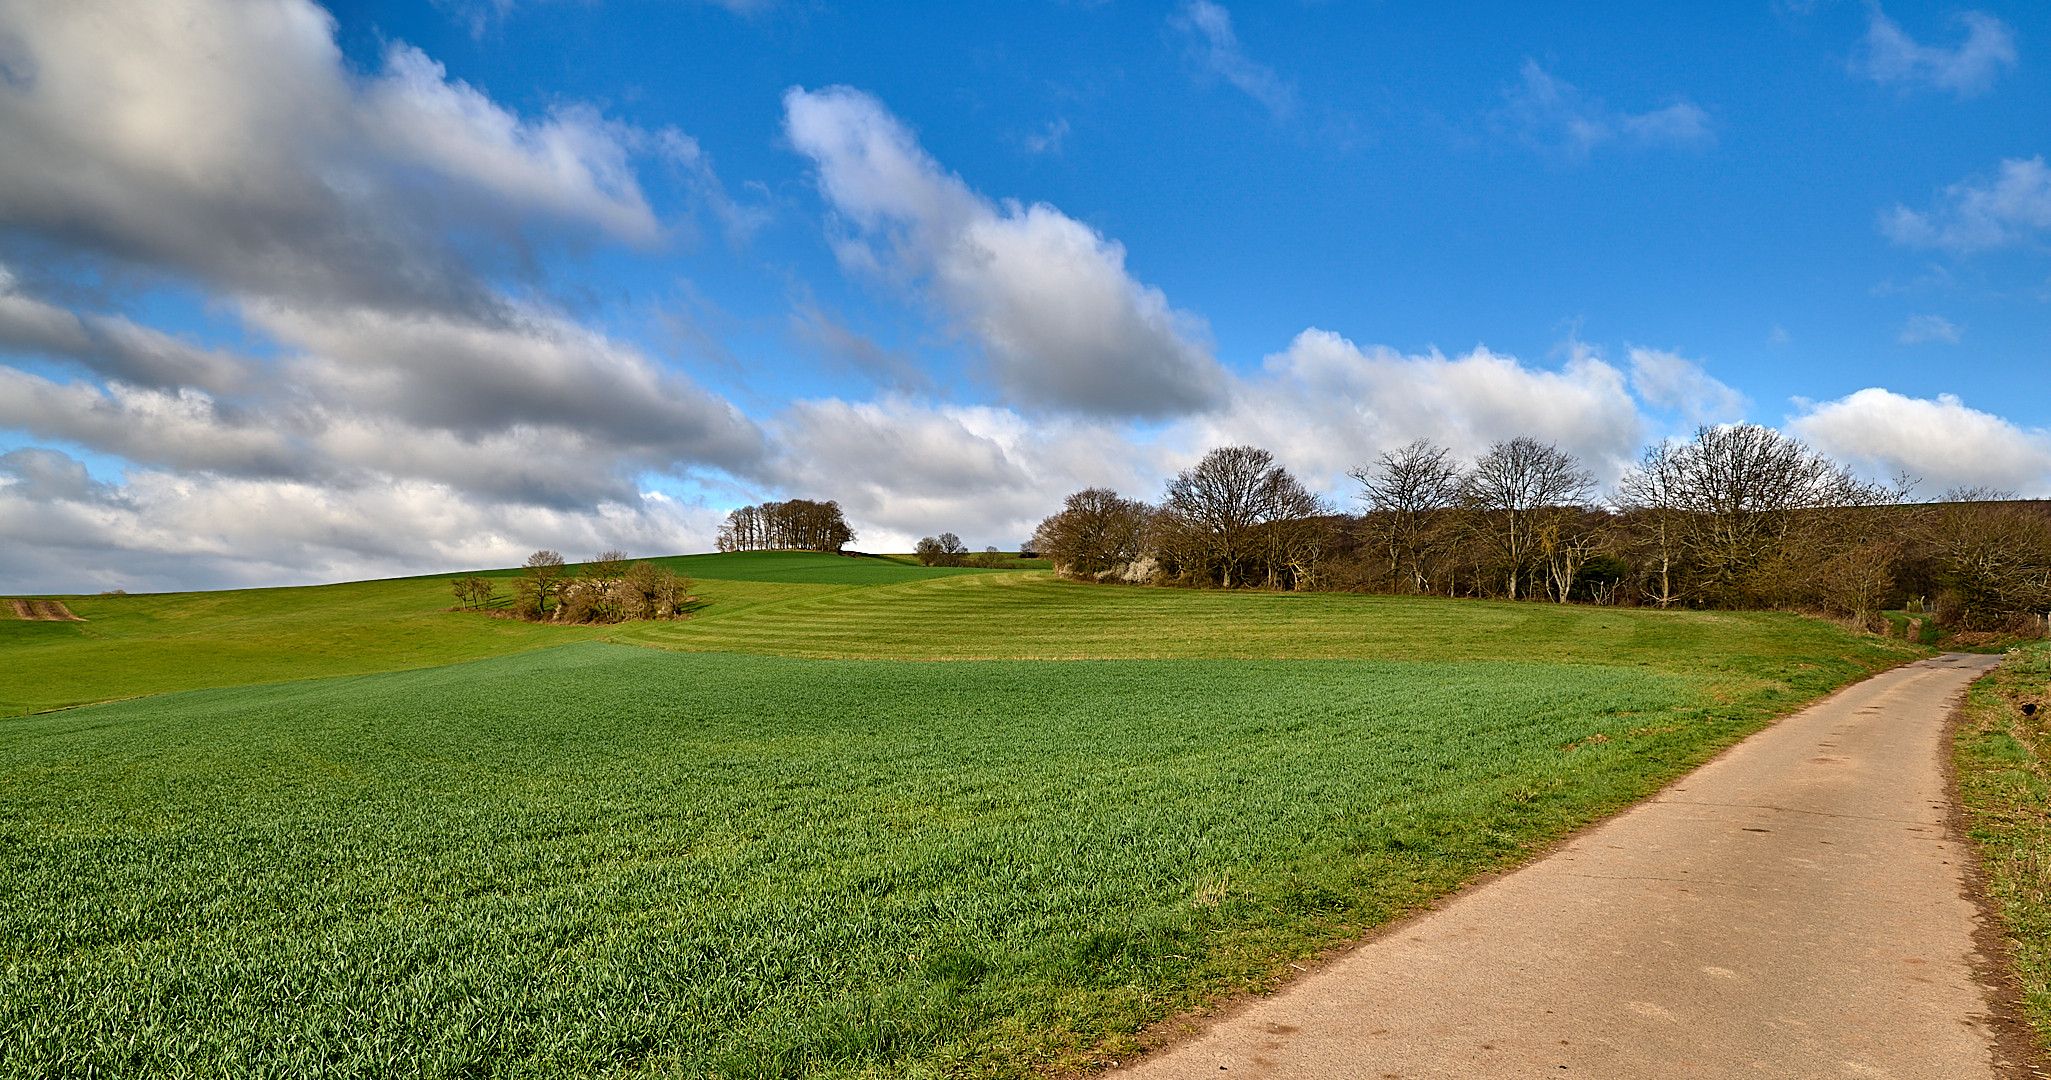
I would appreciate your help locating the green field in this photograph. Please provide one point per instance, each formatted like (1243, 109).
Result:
(852, 818)
(151, 643)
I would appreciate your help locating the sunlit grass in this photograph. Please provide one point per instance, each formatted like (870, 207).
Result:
(598, 859)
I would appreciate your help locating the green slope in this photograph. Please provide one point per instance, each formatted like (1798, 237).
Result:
(153, 643)
(599, 860)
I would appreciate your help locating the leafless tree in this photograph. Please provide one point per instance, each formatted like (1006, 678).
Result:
(1515, 492)
(542, 582)
(1095, 531)
(1407, 492)
(1994, 557)
(1238, 517)
(1725, 505)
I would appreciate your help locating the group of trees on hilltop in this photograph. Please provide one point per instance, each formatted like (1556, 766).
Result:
(1740, 516)
(608, 589)
(792, 525)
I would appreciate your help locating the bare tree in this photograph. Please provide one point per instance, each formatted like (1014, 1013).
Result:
(1725, 505)
(943, 550)
(543, 581)
(1516, 490)
(1095, 531)
(1406, 491)
(1650, 497)
(1237, 515)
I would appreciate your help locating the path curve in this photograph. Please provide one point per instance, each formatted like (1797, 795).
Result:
(1796, 908)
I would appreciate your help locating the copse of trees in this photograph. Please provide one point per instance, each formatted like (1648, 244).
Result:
(948, 550)
(608, 590)
(792, 525)
(1095, 531)
(1738, 516)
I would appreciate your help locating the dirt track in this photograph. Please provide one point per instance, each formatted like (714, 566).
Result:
(43, 611)
(1797, 908)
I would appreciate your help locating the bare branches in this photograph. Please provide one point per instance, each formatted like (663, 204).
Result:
(1519, 491)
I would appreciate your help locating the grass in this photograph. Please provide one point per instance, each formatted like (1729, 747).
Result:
(131, 645)
(853, 818)
(2003, 763)
(599, 860)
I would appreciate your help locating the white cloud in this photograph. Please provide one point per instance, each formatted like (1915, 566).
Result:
(1668, 380)
(1048, 140)
(1215, 47)
(398, 410)
(1548, 111)
(1889, 55)
(1977, 214)
(903, 470)
(1922, 328)
(1047, 297)
(161, 530)
(228, 140)
(1944, 443)
(1324, 405)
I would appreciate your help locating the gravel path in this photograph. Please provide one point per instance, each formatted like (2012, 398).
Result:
(1798, 907)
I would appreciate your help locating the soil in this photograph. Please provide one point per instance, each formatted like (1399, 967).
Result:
(43, 611)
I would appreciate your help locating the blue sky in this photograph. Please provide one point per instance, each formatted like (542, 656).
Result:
(295, 293)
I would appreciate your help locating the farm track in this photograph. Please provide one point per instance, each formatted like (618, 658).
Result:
(43, 611)
(1799, 907)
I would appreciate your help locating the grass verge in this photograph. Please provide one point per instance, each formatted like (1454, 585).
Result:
(2003, 762)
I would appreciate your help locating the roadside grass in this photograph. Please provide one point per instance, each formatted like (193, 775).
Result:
(2003, 762)
(599, 860)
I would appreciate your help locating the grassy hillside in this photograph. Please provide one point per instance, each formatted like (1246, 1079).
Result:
(853, 817)
(597, 859)
(154, 643)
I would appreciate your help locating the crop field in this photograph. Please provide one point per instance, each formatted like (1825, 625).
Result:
(151, 643)
(952, 824)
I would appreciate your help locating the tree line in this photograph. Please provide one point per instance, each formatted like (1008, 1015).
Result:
(608, 589)
(1740, 516)
(792, 525)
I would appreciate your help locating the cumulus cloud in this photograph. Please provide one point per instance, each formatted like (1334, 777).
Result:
(229, 140)
(904, 469)
(398, 406)
(1978, 214)
(1325, 404)
(1922, 328)
(1889, 55)
(1944, 442)
(163, 530)
(1549, 112)
(1048, 298)
(1670, 381)
(1208, 29)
